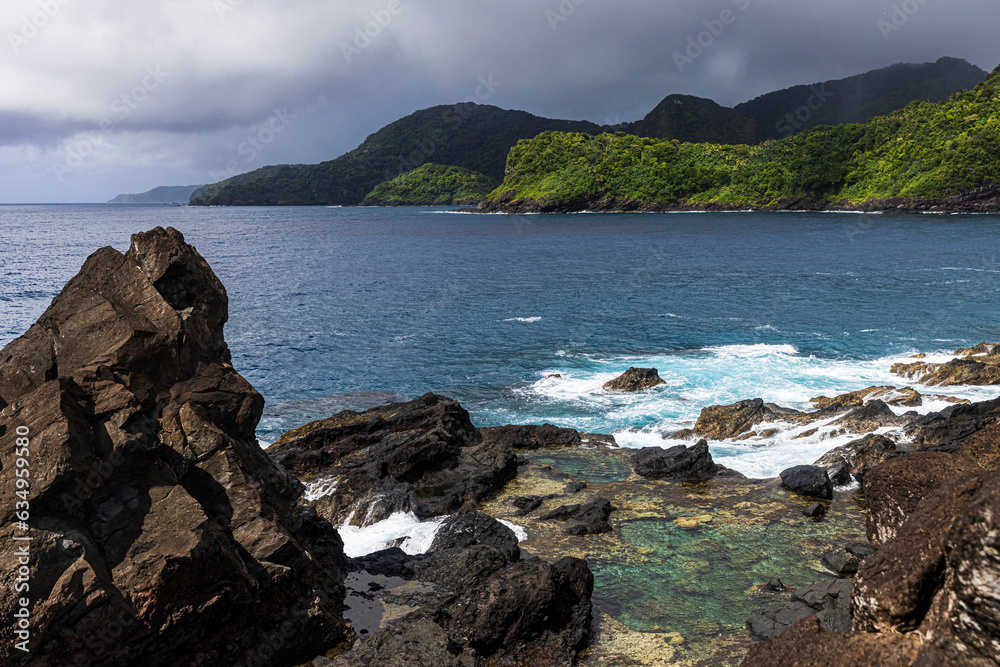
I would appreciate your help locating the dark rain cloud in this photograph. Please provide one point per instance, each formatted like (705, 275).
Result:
(111, 95)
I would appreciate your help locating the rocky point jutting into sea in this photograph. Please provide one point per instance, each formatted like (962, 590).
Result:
(162, 534)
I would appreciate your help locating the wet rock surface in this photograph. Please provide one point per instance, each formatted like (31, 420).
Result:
(678, 463)
(979, 365)
(470, 527)
(829, 601)
(545, 436)
(928, 595)
(161, 533)
(586, 519)
(423, 456)
(811, 481)
(635, 379)
(859, 455)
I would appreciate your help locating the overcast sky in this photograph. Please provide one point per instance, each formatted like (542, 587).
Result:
(100, 97)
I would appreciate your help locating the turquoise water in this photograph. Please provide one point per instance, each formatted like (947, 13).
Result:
(329, 303)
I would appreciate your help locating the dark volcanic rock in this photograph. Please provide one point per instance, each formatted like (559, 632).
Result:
(680, 463)
(829, 600)
(485, 611)
(470, 527)
(869, 418)
(423, 456)
(954, 423)
(807, 642)
(586, 519)
(860, 455)
(979, 365)
(156, 519)
(815, 511)
(808, 481)
(855, 399)
(844, 561)
(545, 436)
(635, 379)
(719, 422)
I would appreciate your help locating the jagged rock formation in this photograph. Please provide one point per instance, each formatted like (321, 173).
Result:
(928, 595)
(423, 456)
(162, 534)
(688, 464)
(545, 436)
(470, 604)
(859, 455)
(979, 365)
(635, 379)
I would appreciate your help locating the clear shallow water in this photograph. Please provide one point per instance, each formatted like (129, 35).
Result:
(346, 308)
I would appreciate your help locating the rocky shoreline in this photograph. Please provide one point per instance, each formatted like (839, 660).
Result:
(985, 200)
(161, 534)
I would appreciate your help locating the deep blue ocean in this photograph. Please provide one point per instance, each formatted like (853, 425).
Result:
(334, 308)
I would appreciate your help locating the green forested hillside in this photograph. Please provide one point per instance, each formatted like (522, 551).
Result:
(472, 136)
(925, 150)
(433, 184)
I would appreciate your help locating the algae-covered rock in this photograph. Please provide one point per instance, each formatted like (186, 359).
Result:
(979, 365)
(635, 379)
(890, 395)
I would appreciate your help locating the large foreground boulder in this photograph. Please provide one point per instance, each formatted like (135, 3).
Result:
(160, 533)
(423, 456)
(811, 481)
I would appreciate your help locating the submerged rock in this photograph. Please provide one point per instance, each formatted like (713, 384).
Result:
(815, 511)
(808, 481)
(829, 601)
(156, 519)
(424, 456)
(844, 561)
(635, 379)
(584, 519)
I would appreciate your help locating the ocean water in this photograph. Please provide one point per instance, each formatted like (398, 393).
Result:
(346, 308)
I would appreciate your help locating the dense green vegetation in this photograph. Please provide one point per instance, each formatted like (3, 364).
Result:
(433, 185)
(472, 136)
(478, 137)
(925, 150)
(857, 99)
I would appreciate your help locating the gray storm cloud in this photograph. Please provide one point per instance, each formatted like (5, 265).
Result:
(125, 95)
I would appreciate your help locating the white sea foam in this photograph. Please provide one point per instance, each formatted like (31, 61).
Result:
(695, 379)
(417, 536)
(524, 319)
(319, 488)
